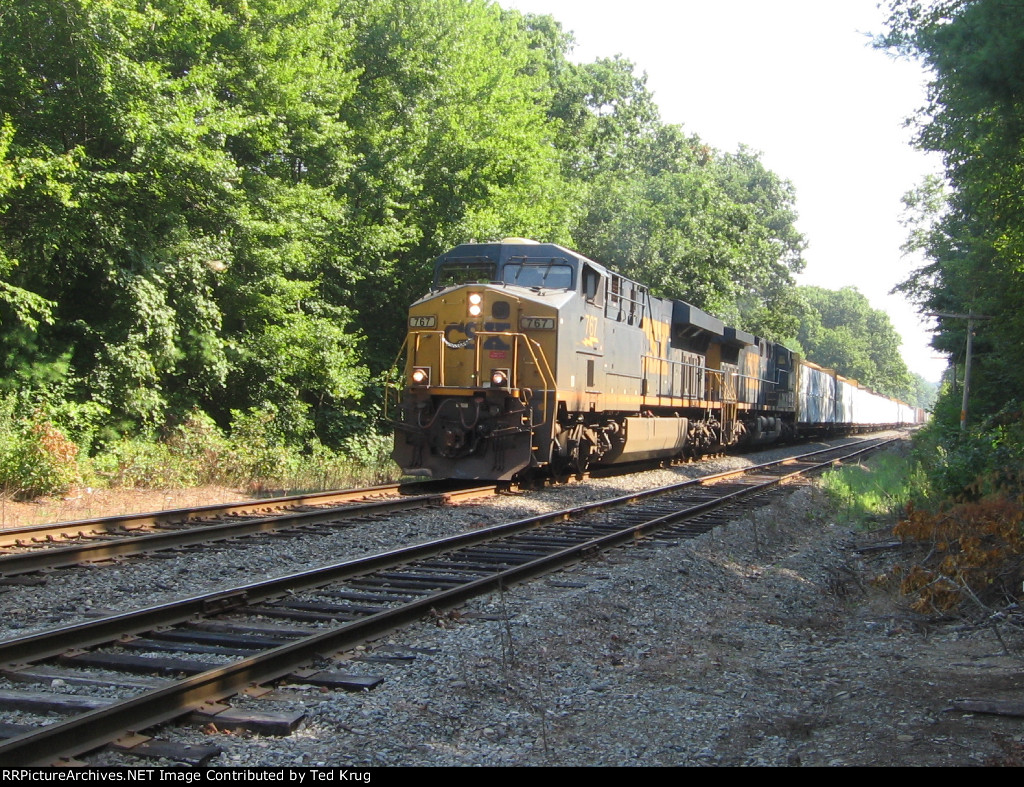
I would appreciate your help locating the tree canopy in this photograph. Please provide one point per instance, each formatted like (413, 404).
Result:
(970, 226)
(840, 330)
(223, 206)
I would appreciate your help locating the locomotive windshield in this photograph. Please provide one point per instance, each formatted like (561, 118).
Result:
(455, 273)
(552, 276)
(549, 275)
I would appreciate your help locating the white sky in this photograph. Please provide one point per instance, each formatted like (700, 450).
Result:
(798, 81)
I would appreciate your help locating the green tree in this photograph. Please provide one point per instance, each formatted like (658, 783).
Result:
(174, 165)
(971, 228)
(840, 330)
(661, 206)
(224, 207)
(450, 143)
(923, 393)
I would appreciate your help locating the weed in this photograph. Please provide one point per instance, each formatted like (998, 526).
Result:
(38, 458)
(866, 493)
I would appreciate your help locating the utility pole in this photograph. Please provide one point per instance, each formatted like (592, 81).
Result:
(970, 317)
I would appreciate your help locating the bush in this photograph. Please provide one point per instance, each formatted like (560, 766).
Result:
(259, 456)
(314, 467)
(200, 444)
(976, 553)
(36, 458)
(969, 516)
(138, 463)
(986, 460)
(372, 453)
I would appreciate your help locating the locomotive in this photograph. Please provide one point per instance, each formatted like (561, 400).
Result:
(528, 357)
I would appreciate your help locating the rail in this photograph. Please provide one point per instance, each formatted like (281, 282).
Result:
(455, 578)
(100, 549)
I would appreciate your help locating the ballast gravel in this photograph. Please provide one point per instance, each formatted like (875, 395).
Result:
(763, 642)
(68, 595)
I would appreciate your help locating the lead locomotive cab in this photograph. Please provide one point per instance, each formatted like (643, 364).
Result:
(479, 399)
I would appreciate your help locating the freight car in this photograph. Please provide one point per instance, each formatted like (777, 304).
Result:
(527, 357)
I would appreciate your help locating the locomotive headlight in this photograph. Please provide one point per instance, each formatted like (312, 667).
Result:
(499, 378)
(420, 375)
(476, 301)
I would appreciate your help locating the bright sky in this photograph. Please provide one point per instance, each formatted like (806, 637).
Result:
(798, 81)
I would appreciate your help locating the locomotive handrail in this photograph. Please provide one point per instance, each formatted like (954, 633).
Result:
(701, 369)
(716, 386)
(540, 362)
(419, 334)
(726, 383)
(547, 376)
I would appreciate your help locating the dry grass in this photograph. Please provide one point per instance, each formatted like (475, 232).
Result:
(88, 503)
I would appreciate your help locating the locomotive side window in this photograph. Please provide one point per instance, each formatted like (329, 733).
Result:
(455, 273)
(613, 309)
(549, 276)
(626, 301)
(592, 289)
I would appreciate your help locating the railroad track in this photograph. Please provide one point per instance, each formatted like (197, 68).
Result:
(29, 536)
(51, 546)
(229, 641)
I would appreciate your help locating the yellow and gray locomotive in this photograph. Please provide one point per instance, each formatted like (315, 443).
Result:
(527, 356)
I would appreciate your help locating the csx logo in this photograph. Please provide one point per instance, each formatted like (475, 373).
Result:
(468, 331)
